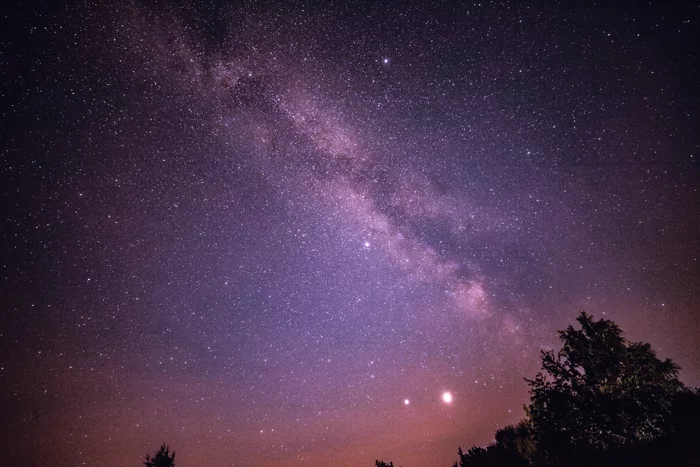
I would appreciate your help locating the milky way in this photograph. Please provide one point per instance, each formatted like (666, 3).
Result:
(323, 234)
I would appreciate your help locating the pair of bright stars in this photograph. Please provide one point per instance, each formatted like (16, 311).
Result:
(446, 398)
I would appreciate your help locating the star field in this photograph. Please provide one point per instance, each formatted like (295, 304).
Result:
(324, 233)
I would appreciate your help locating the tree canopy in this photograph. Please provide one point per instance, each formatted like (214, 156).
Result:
(162, 458)
(600, 391)
(600, 397)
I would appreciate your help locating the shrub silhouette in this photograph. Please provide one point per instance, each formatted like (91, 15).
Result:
(162, 458)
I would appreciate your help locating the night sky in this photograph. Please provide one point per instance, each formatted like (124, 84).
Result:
(279, 234)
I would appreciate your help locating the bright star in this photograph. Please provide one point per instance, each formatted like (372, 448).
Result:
(385, 61)
(447, 397)
(406, 402)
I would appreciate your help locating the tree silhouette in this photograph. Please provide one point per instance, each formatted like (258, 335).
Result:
(601, 400)
(513, 447)
(600, 391)
(516, 444)
(379, 463)
(162, 458)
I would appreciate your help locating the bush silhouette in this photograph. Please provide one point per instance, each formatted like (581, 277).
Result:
(162, 458)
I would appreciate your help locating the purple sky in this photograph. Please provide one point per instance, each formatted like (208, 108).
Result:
(253, 231)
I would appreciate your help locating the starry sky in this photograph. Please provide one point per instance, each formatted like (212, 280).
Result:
(327, 232)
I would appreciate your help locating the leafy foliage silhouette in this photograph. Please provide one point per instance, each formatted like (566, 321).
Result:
(162, 458)
(512, 446)
(600, 391)
(600, 399)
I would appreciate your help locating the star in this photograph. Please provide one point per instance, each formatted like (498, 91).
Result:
(358, 216)
(447, 397)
